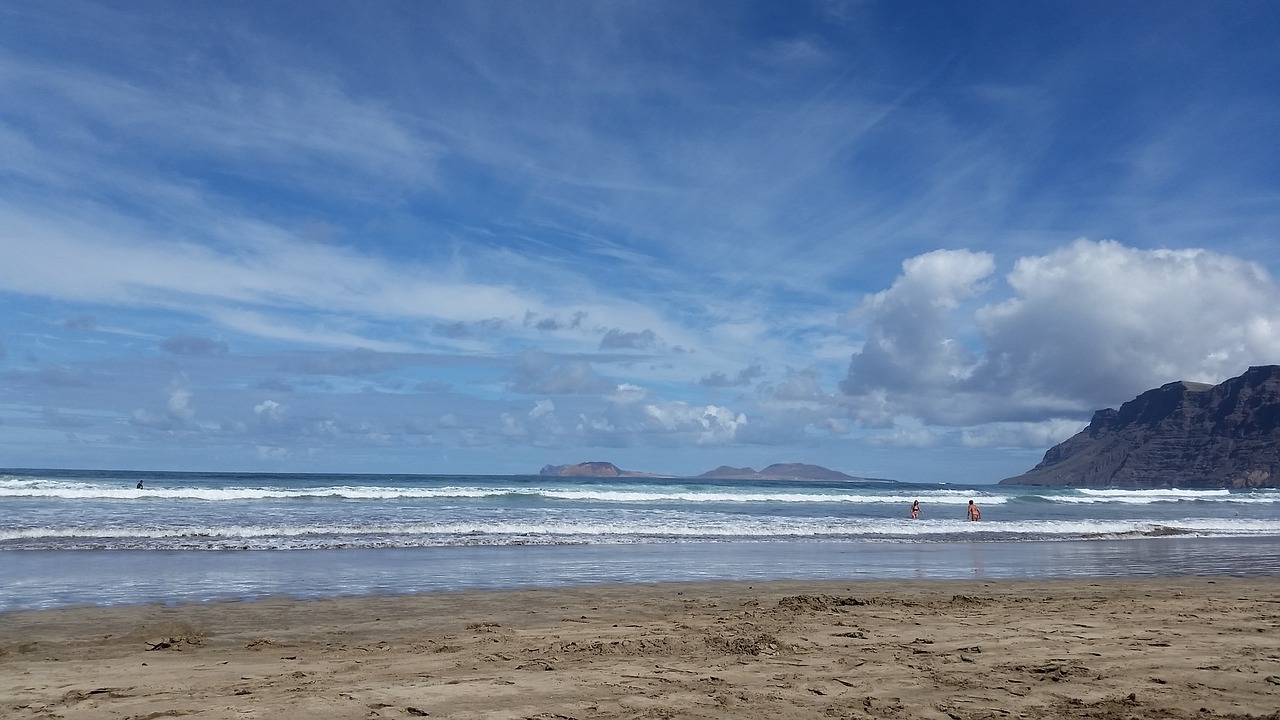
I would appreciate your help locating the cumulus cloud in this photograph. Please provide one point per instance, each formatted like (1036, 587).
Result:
(704, 425)
(549, 324)
(542, 408)
(911, 337)
(633, 417)
(178, 413)
(538, 373)
(1097, 321)
(1089, 325)
(799, 386)
(511, 426)
(616, 339)
(626, 393)
(179, 404)
(1031, 434)
(269, 412)
(540, 425)
(743, 377)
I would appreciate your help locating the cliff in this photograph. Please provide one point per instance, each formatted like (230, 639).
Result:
(1182, 434)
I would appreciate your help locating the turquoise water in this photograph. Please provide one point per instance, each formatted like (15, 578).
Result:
(70, 538)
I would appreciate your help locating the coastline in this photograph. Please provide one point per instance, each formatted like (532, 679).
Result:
(1174, 647)
(53, 579)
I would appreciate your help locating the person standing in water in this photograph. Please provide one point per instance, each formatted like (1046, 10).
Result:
(974, 512)
(915, 510)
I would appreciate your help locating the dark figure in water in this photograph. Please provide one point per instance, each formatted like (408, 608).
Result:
(139, 484)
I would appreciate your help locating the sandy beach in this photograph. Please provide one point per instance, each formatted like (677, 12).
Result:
(1167, 648)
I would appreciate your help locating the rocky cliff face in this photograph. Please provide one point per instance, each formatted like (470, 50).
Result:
(1181, 434)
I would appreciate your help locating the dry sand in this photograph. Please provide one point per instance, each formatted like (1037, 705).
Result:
(1180, 648)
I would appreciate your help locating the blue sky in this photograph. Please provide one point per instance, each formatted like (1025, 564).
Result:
(914, 240)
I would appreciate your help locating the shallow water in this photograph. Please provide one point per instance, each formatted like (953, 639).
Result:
(50, 579)
(72, 537)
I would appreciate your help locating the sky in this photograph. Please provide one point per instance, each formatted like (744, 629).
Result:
(917, 240)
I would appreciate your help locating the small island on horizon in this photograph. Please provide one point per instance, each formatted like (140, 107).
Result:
(1180, 435)
(776, 471)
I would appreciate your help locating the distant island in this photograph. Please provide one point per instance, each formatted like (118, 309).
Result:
(777, 471)
(592, 469)
(1182, 434)
(782, 471)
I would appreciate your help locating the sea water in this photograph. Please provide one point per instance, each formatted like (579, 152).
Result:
(94, 537)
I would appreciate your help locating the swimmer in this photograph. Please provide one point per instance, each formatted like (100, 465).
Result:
(915, 510)
(974, 512)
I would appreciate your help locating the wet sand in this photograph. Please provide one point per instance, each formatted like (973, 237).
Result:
(1166, 648)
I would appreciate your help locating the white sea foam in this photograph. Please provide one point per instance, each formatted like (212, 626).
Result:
(1164, 495)
(890, 495)
(657, 528)
(283, 512)
(942, 497)
(96, 491)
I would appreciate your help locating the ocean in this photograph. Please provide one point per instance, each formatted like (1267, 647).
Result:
(94, 538)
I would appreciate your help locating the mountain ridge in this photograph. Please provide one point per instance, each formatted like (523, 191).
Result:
(776, 471)
(1181, 434)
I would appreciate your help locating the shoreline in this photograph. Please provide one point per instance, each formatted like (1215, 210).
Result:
(40, 579)
(1173, 647)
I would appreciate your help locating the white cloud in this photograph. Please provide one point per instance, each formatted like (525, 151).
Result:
(273, 453)
(616, 339)
(179, 404)
(1094, 321)
(910, 332)
(178, 413)
(542, 408)
(1020, 435)
(626, 393)
(1088, 325)
(269, 411)
(537, 373)
(287, 123)
(799, 387)
(510, 426)
(543, 425)
(699, 208)
(907, 435)
(706, 425)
